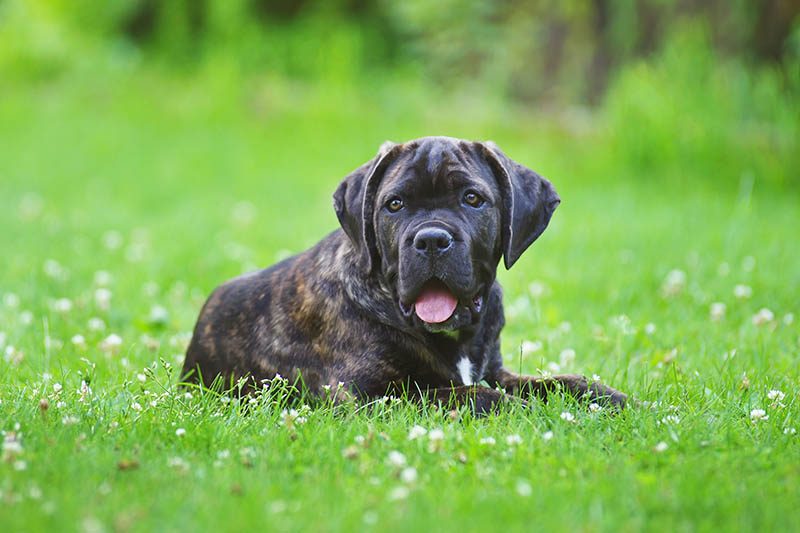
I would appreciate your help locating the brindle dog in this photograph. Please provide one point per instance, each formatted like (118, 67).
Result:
(403, 297)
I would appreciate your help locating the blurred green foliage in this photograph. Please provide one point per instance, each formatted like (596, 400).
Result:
(682, 89)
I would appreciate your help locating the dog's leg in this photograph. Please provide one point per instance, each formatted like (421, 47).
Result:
(481, 400)
(574, 384)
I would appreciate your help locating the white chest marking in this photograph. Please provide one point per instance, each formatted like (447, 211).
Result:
(465, 369)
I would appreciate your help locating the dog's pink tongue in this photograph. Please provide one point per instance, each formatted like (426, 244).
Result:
(436, 303)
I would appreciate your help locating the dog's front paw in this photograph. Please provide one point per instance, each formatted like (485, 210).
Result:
(594, 392)
(606, 396)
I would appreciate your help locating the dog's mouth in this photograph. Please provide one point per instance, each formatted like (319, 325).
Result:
(436, 303)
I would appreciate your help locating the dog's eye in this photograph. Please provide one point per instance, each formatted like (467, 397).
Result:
(473, 199)
(394, 204)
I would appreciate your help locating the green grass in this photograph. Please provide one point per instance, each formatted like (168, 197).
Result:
(172, 187)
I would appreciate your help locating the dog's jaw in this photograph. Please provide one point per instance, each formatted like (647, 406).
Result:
(467, 313)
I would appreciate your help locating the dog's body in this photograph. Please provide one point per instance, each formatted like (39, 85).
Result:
(404, 296)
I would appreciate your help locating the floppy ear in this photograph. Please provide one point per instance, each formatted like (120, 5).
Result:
(354, 203)
(529, 201)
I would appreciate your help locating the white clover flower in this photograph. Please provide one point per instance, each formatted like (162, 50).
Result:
(103, 278)
(529, 347)
(291, 418)
(111, 343)
(547, 435)
(488, 441)
(53, 269)
(187, 395)
(96, 324)
(788, 318)
(660, 447)
(57, 387)
(758, 414)
(136, 406)
(649, 328)
(150, 289)
(158, 315)
(537, 289)
(436, 434)
(102, 298)
(567, 357)
(717, 311)
(223, 454)
(553, 367)
(742, 291)
(673, 283)
(62, 305)
(594, 407)
(10, 300)
(763, 316)
(79, 342)
(399, 493)
(566, 415)
(623, 323)
(523, 488)
(669, 419)
(31, 205)
(178, 463)
(112, 239)
(595, 378)
(141, 378)
(277, 506)
(409, 474)
(60, 405)
(513, 439)
(180, 432)
(416, 432)
(84, 391)
(69, 420)
(26, 318)
(396, 458)
(776, 395)
(243, 213)
(11, 445)
(789, 431)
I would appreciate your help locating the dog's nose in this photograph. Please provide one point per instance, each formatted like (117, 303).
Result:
(432, 241)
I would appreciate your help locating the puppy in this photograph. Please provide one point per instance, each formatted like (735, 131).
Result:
(403, 297)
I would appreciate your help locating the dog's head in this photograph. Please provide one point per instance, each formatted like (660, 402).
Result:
(433, 217)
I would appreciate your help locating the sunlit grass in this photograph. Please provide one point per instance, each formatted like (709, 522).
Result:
(121, 207)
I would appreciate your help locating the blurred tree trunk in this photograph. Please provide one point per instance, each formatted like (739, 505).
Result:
(774, 24)
(648, 17)
(602, 57)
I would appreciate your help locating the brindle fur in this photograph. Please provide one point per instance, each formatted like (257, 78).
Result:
(331, 313)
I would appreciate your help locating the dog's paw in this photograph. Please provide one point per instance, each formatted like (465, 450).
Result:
(593, 392)
(606, 396)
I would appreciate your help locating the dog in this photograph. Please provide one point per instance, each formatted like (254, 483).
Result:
(403, 298)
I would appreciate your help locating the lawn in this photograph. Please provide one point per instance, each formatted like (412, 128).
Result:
(124, 202)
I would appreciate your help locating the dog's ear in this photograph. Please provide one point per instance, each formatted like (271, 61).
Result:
(354, 203)
(529, 201)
